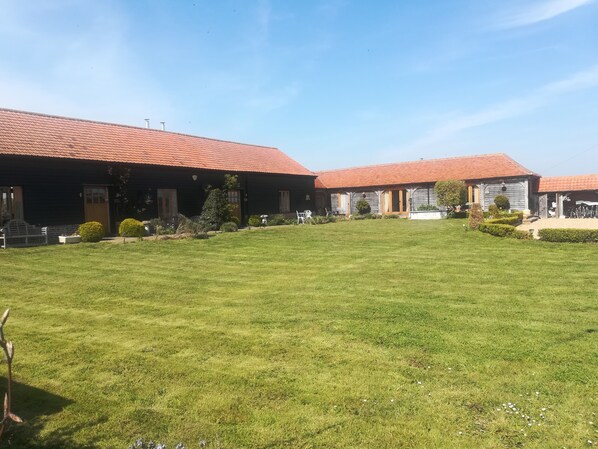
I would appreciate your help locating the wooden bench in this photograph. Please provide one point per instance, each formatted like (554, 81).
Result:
(21, 233)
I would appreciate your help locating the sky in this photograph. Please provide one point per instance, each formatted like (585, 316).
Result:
(332, 83)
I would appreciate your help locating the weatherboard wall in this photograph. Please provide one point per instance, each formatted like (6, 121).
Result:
(53, 188)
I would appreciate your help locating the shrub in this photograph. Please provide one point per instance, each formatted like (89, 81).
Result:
(192, 226)
(455, 214)
(321, 219)
(493, 211)
(278, 220)
(390, 216)
(92, 231)
(504, 230)
(229, 226)
(363, 207)
(476, 216)
(513, 221)
(161, 227)
(502, 202)
(451, 193)
(215, 211)
(254, 221)
(131, 228)
(569, 235)
(427, 207)
(235, 220)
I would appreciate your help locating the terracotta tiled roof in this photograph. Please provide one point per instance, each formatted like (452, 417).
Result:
(480, 167)
(568, 183)
(32, 134)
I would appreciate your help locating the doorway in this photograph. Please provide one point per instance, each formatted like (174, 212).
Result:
(167, 204)
(96, 205)
(234, 199)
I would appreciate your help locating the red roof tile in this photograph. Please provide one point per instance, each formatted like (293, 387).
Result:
(32, 134)
(485, 166)
(568, 183)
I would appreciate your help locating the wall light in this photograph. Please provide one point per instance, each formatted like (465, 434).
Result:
(307, 197)
(194, 177)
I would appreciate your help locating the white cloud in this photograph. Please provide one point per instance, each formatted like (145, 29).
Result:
(508, 109)
(539, 12)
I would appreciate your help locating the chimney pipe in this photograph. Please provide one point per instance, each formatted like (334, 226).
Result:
(163, 126)
(146, 122)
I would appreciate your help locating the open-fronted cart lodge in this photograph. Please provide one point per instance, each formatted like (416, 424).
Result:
(59, 172)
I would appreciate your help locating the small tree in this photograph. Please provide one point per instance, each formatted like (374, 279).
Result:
(476, 216)
(502, 202)
(363, 207)
(451, 194)
(216, 210)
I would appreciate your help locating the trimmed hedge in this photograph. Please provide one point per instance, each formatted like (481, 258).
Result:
(504, 230)
(513, 221)
(131, 228)
(91, 231)
(569, 235)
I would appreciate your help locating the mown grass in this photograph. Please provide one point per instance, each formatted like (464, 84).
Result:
(371, 334)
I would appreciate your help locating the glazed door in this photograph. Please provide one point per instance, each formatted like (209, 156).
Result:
(234, 199)
(96, 206)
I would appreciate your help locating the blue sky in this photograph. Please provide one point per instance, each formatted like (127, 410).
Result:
(333, 83)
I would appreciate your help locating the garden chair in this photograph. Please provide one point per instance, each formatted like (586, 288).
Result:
(300, 217)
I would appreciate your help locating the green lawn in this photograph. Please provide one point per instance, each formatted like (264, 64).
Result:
(369, 334)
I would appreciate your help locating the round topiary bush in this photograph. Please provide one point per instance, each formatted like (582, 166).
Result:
(131, 228)
(363, 207)
(502, 202)
(92, 231)
(229, 227)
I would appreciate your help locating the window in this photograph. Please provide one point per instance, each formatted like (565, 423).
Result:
(11, 203)
(167, 203)
(284, 201)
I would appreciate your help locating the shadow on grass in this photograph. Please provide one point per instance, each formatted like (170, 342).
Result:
(34, 406)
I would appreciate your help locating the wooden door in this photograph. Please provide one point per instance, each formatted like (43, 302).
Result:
(96, 206)
(234, 199)
(168, 207)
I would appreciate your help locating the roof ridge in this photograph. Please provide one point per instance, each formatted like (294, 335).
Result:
(569, 176)
(99, 122)
(386, 164)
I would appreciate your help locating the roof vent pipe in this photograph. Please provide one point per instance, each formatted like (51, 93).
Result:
(163, 126)
(146, 122)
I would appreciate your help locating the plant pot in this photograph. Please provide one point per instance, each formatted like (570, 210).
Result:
(67, 239)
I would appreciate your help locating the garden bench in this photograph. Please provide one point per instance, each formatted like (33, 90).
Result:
(21, 233)
(303, 216)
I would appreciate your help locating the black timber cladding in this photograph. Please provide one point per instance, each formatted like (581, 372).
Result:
(52, 188)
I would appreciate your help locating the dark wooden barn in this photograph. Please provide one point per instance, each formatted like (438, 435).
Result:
(60, 172)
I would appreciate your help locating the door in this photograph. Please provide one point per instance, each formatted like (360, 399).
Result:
(167, 204)
(234, 199)
(96, 206)
(543, 206)
(344, 203)
(284, 201)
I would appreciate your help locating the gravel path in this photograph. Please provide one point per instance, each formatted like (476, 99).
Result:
(571, 223)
